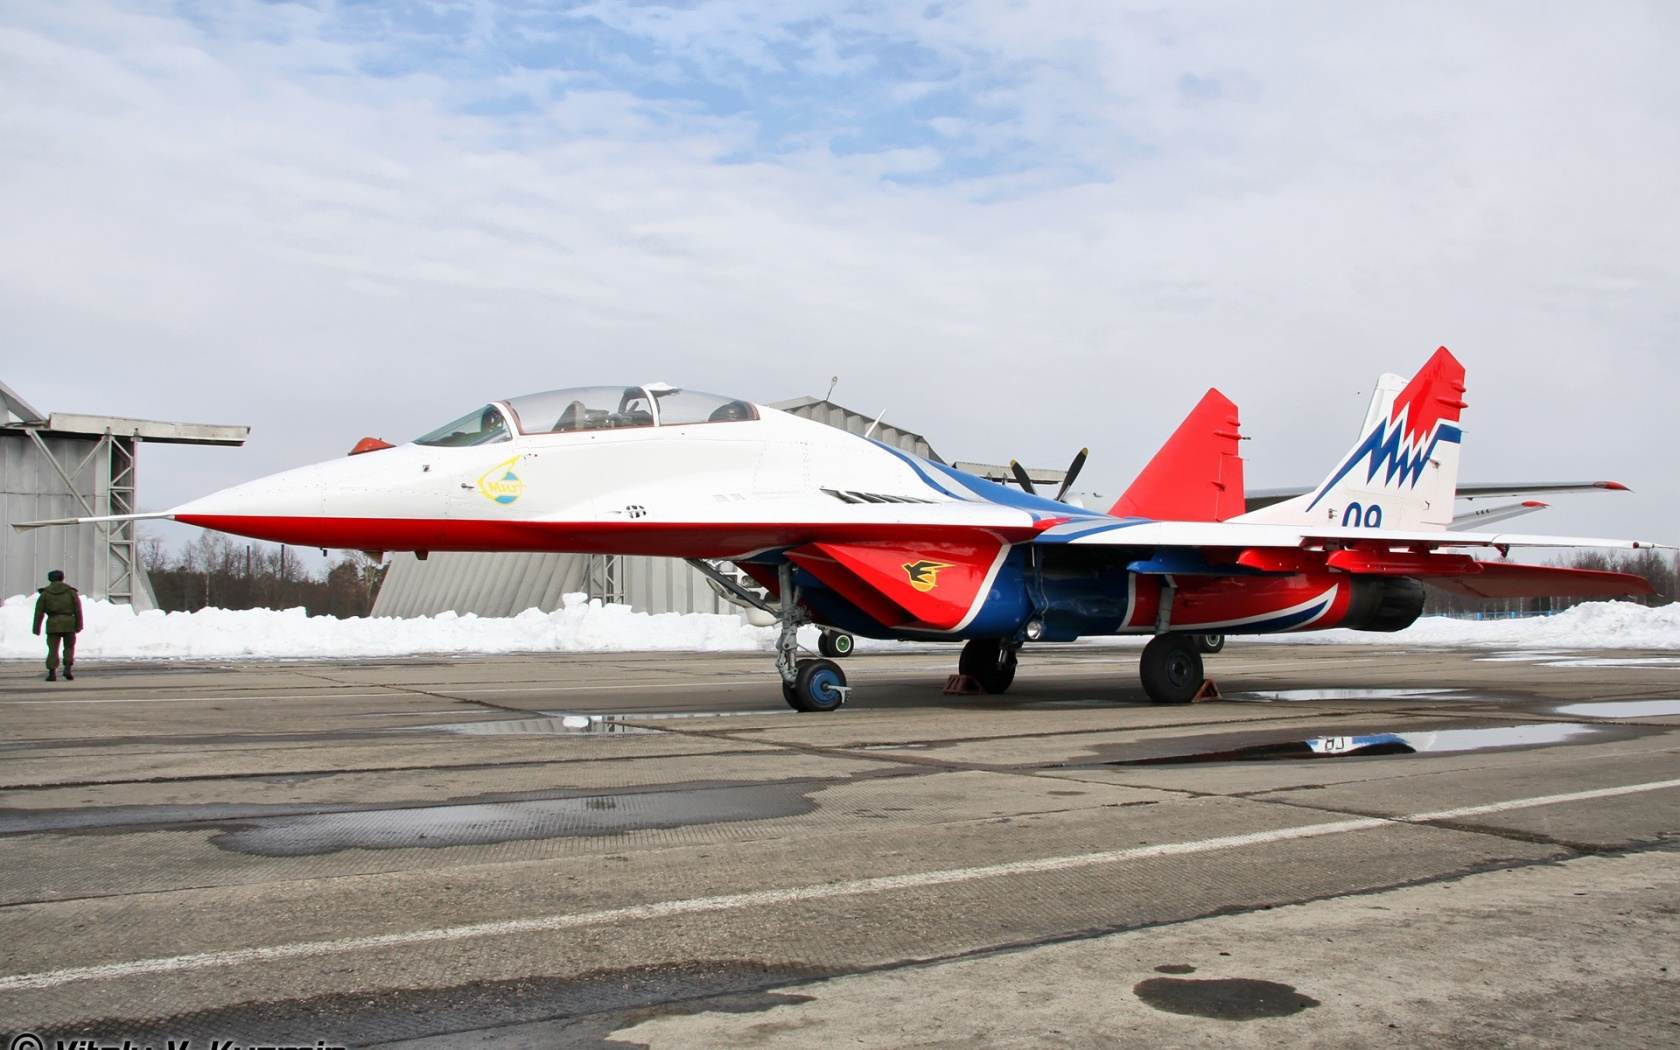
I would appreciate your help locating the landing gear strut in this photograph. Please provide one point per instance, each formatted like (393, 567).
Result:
(807, 685)
(1171, 668)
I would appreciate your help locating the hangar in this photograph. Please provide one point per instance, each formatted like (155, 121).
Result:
(65, 465)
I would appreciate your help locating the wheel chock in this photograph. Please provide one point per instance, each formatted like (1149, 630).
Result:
(963, 685)
(1208, 692)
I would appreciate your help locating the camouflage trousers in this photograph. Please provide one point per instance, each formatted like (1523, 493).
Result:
(69, 641)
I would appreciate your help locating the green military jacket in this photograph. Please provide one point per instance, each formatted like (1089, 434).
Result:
(61, 607)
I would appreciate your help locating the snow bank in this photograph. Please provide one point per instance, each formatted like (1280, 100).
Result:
(117, 632)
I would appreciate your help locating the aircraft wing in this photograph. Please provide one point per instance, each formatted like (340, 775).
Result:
(1257, 498)
(1263, 536)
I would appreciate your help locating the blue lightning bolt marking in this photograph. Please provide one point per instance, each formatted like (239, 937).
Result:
(1387, 450)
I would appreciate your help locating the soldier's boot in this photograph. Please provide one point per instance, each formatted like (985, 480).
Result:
(52, 675)
(68, 676)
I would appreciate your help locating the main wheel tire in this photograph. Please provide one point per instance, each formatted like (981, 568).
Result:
(790, 695)
(820, 686)
(1171, 669)
(837, 644)
(1210, 643)
(990, 662)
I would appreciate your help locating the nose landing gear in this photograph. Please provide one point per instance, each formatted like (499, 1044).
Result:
(807, 685)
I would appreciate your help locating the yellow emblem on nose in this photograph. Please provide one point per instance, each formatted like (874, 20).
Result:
(924, 575)
(501, 484)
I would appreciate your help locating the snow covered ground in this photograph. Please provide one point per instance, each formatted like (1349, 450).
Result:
(116, 632)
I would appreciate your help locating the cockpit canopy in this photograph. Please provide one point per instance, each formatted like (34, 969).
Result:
(589, 408)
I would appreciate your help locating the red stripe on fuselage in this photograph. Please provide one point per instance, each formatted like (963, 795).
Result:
(659, 539)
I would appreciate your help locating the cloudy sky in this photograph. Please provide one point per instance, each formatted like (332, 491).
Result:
(1017, 228)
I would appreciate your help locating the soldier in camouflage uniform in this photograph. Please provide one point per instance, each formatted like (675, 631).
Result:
(61, 607)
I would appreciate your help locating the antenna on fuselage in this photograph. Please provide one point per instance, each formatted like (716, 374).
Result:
(875, 424)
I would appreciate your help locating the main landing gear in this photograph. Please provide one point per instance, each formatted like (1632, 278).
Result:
(836, 644)
(1171, 667)
(990, 662)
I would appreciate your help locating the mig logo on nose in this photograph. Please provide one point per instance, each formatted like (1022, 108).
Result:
(501, 484)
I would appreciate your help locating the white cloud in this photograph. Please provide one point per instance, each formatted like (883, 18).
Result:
(238, 223)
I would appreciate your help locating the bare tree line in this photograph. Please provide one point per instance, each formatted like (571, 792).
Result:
(1659, 568)
(218, 571)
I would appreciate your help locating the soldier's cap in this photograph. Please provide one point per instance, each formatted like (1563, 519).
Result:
(55, 576)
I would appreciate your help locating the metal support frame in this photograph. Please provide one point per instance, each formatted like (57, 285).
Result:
(120, 540)
(117, 488)
(605, 578)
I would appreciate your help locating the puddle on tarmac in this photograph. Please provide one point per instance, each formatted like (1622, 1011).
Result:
(1614, 661)
(465, 708)
(1575, 658)
(657, 716)
(1223, 999)
(1276, 695)
(565, 725)
(1439, 741)
(486, 823)
(1621, 709)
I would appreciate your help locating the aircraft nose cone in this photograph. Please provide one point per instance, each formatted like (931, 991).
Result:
(352, 503)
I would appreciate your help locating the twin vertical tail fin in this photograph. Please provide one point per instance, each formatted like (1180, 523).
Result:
(1403, 471)
(1197, 475)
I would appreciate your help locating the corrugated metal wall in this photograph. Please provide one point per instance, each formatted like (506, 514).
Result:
(31, 489)
(508, 583)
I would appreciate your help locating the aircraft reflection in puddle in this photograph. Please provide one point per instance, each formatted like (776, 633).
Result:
(1442, 741)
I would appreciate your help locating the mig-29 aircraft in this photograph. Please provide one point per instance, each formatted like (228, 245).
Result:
(855, 535)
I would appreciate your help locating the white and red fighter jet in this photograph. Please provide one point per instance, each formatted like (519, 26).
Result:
(861, 537)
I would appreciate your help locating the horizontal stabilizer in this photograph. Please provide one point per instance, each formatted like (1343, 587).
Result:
(1197, 475)
(1505, 580)
(1488, 515)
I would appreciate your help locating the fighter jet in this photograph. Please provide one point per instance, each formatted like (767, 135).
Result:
(847, 532)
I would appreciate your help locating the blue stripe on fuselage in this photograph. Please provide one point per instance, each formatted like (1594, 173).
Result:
(989, 491)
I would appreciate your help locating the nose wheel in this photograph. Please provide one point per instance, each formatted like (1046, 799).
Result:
(818, 685)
